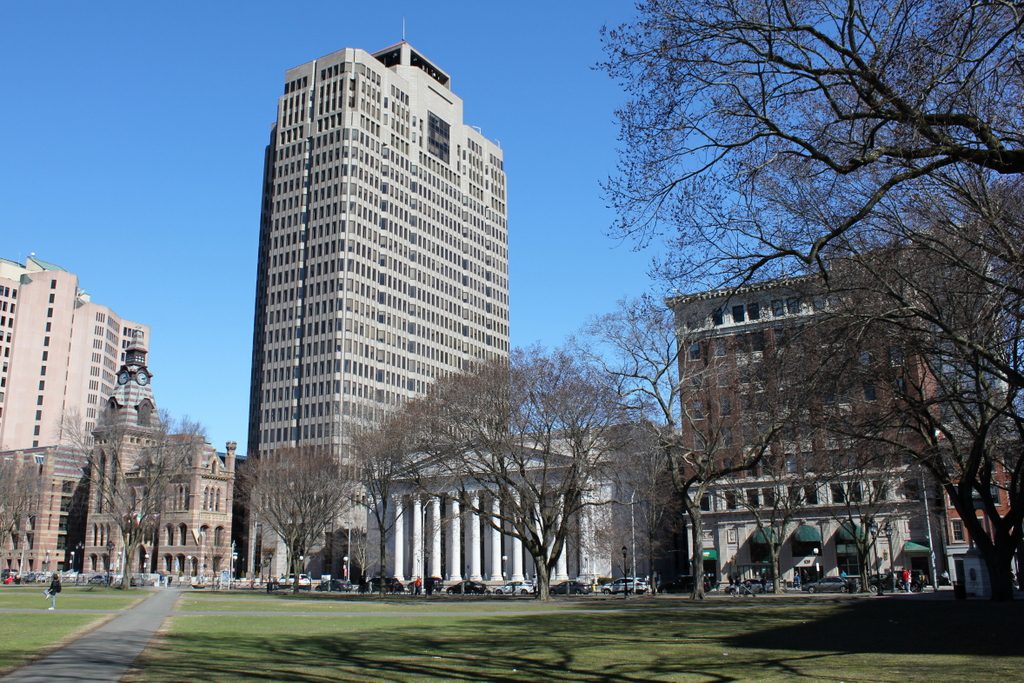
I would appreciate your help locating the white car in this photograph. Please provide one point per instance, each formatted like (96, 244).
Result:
(634, 585)
(516, 588)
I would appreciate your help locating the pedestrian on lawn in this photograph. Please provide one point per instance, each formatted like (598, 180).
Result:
(52, 591)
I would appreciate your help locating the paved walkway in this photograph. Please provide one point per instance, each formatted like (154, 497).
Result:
(106, 653)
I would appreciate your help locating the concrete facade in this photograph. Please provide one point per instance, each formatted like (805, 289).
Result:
(383, 259)
(59, 352)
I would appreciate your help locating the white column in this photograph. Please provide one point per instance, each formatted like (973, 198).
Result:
(474, 541)
(562, 565)
(417, 537)
(517, 559)
(585, 560)
(496, 567)
(455, 563)
(399, 552)
(435, 537)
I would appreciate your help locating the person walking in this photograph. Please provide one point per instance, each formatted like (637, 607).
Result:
(906, 579)
(52, 591)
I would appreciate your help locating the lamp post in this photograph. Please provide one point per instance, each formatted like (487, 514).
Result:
(817, 565)
(110, 557)
(625, 582)
(72, 560)
(887, 530)
(345, 560)
(504, 559)
(188, 568)
(46, 563)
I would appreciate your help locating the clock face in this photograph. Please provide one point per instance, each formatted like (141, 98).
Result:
(122, 378)
(142, 378)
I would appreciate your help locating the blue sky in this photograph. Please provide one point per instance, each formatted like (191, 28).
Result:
(134, 138)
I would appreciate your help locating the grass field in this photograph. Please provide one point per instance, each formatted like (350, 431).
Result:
(31, 597)
(25, 635)
(861, 640)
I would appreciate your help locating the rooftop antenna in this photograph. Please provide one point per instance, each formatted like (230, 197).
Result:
(403, 29)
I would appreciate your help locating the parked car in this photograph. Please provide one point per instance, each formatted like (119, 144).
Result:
(632, 584)
(391, 585)
(829, 584)
(98, 580)
(336, 586)
(466, 587)
(570, 588)
(516, 588)
(917, 581)
(305, 583)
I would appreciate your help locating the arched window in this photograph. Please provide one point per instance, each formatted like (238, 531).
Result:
(218, 536)
(170, 534)
(168, 563)
(188, 497)
(145, 410)
(95, 534)
(206, 499)
(218, 501)
(182, 534)
(93, 562)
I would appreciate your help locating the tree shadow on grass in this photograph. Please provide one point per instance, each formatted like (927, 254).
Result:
(540, 647)
(897, 626)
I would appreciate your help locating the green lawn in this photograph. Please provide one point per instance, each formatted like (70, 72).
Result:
(327, 604)
(24, 635)
(69, 598)
(861, 640)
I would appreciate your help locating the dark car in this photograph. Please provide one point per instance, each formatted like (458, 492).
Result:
(391, 585)
(467, 587)
(570, 588)
(829, 584)
(336, 586)
(98, 580)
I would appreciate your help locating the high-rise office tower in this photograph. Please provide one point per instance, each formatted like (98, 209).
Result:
(383, 257)
(59, 353)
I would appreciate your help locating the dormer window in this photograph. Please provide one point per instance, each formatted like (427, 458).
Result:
(145, 411)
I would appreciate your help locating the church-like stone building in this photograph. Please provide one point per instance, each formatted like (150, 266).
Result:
(188, 533)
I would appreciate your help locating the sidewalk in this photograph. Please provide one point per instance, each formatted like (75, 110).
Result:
(106, 653)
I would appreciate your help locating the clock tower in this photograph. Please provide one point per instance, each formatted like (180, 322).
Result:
(132, 401)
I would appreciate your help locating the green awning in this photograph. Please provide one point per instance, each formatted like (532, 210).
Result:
(805, 533)
(846, 533)
(710, 555)
(916, 548)
(846, 548)
(762, 536)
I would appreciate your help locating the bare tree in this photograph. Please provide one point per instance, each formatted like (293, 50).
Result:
(711, 413)
(774, 493)
(20, 487)
(648, 505)
(535, 435)
(131, 469)
(770, 129)
(299, 493)
(383, 462)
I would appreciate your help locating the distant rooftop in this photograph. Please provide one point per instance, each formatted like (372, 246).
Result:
(402, 54)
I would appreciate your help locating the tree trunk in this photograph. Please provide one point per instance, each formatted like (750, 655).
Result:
(697, 554)
(543, 580)
(1000, 573)
(383, 560)
(776, 550)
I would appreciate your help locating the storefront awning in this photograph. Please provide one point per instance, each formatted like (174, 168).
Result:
(805, 533)
(710, 555)
(847, 531)
(762, 536)
(912, 548)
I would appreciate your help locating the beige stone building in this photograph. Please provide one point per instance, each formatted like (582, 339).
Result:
(59, 352)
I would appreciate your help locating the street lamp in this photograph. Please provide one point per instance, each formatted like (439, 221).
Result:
(345, 560)
(817, 565)
(188, 568)
(625, 582)
(110, 555)
(887, 530)
(504, 559)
